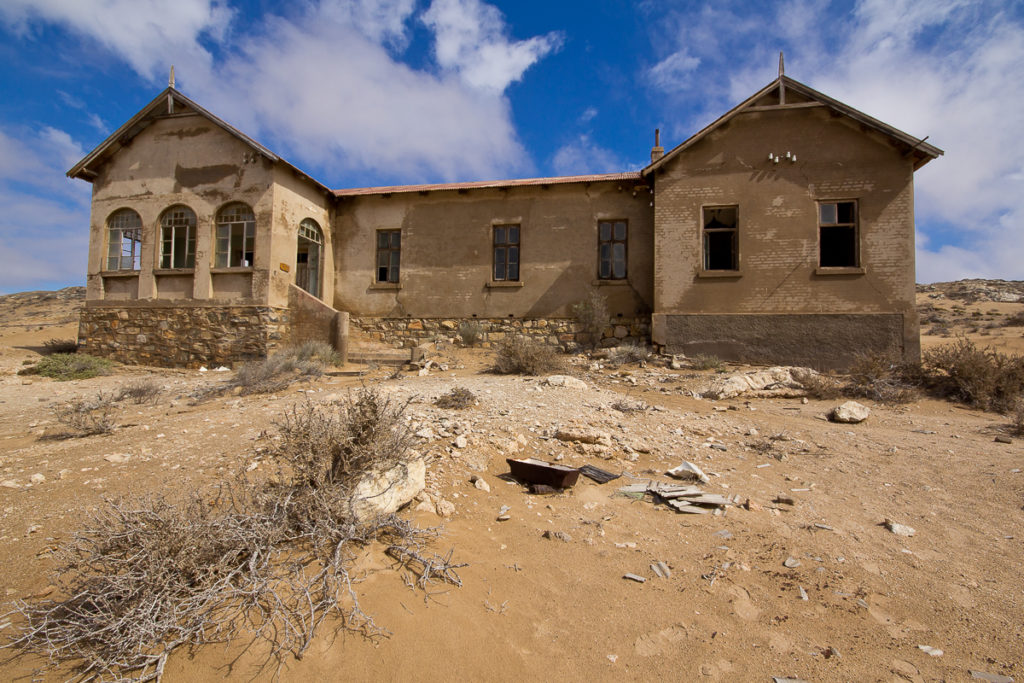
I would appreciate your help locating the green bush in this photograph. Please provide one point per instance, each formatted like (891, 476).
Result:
(68, 366)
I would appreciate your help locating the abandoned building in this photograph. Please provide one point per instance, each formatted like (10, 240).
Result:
(782, 232)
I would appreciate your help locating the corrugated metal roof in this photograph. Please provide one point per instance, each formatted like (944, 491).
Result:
(486, 184)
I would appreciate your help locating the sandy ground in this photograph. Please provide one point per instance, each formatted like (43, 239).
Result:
(533, 607)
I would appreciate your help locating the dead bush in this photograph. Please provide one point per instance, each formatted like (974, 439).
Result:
(1018, 417)
(591, 316)
(703, 361)
(884, 378)
(87, 416)
(626, 406)
(51, 346)
(470, 332)
(269, 561)
(821, 386)
(280, 369)
(457, 399)
(518, 354)
(628, 353)
(984, 378)
(139, 391)
(1015, 320)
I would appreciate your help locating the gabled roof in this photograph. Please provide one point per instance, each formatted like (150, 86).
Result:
(485, 184)
(776, 92)
(170, 102)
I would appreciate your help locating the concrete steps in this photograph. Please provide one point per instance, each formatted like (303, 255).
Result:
(365, 352)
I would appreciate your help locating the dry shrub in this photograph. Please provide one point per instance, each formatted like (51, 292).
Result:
(628, 353)
(68, 366)
(520, 355)
(87, 416)
(984, 378)
(470, 332)
(1018, 417)
(265, 562)
(1015, 320)
(54, 345)
(279, 370)
(139, 391)
(821, 386)
(591, 316)
(703, 361)
(457, 399)
(626, 406)
(883, 377)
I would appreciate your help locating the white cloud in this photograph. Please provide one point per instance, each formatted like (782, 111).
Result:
(675, 71)
(149, 35)
(44, 224)
(470, 40)
(941, 69)
(583, 156)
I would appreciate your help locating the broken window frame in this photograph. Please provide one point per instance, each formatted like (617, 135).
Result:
(719, 237)
(389, 256)
(178, 238)
(310, 231)
(838, 234)
(612, 250)
(124, 240)
(235, 236)
(507, 249)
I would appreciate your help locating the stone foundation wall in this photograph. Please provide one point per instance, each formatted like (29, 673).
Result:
(410, 332)
(185, 335)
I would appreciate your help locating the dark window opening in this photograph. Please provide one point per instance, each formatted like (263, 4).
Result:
(506, 252)
(837, 226)
(721, 238)
(611, 250)
(389, 255)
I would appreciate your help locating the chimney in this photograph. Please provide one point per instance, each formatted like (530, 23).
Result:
(657, 151)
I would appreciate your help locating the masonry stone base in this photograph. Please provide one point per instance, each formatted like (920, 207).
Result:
(182, 335)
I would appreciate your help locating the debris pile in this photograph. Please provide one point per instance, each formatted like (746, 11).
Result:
(683, 498)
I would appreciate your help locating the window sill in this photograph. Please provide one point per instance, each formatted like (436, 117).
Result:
(173, 271)
(601, 282)
(386, 285)
(119, 273)
(504, 284)
(847, 270)
(719, 274)
(235, 269)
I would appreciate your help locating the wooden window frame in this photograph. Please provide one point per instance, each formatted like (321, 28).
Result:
(170, 225)
(235, 236)
(510, 249)
(391, 251)
(709, 238)
(122, 230)
(830, 221)
(611, 242)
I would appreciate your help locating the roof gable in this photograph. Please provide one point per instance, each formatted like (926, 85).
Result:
(786, 93)
(169, 103)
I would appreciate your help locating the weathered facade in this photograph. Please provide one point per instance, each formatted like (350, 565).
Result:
(782, 232)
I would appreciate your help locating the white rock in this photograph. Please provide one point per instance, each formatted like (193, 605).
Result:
(688, 471)
(383, 493)
(10, 484)
(37, 478)
(899, 529)
(480, 483)
(566, 381)
(426, 506)
(222, 369)
(445, 508)
(759, 380)
(594, 437)
(203, 369)
(117, 457)
(933, 651)
(426, 433)
(850, 412)
(461, 441)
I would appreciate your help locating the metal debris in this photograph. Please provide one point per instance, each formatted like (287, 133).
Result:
(597, 474)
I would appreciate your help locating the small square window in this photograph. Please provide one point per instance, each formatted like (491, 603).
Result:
(837, 235)
(612, 240)
(721, 238)
(506, 253)
(389, 255)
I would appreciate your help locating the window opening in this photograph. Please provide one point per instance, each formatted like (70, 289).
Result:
(389, 255)
(837, 226)
(309, 259)
(236, 235)
(721, 238)
(506, 252)
(178, 238)
(124, 247)
(611, 250)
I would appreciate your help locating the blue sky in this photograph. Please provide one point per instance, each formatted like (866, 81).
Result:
(364, 92)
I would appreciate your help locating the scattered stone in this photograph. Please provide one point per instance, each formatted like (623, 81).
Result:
(850, 412)
(688, 471)
(460, 441)
(634, 577)
(10, 484)
(899, 529)
(594, 437)
(777, 381)
(830, 652)
(117, 458)
(933, 651)
(504, 518)
(1003, 439)
(557, 536)
(778, 679)
(785, 500)
(37, 478)
(566, 381)
(381, 493)
(426, 506)
(480, 483)
(32, 529)
(426, 433)
(791, 563)
(803, 593)
(445, 508)
(991, 678)
(723, 533)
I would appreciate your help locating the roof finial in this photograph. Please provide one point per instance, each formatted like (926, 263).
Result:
(782, 65)
(170, 81)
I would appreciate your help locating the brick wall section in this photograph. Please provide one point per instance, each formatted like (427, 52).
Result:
(410, 332)
(310, 319)
(182, 336)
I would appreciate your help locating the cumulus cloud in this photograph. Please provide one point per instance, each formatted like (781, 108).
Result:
(470, 40)
(583, 156)
(938, 69)
(44, 224)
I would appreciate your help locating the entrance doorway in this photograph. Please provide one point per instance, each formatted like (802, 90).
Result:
(309, 259)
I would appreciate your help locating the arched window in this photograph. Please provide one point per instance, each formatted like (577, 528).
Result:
(124, 240)
(309, 259)
(178, 238)
(236, 234)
